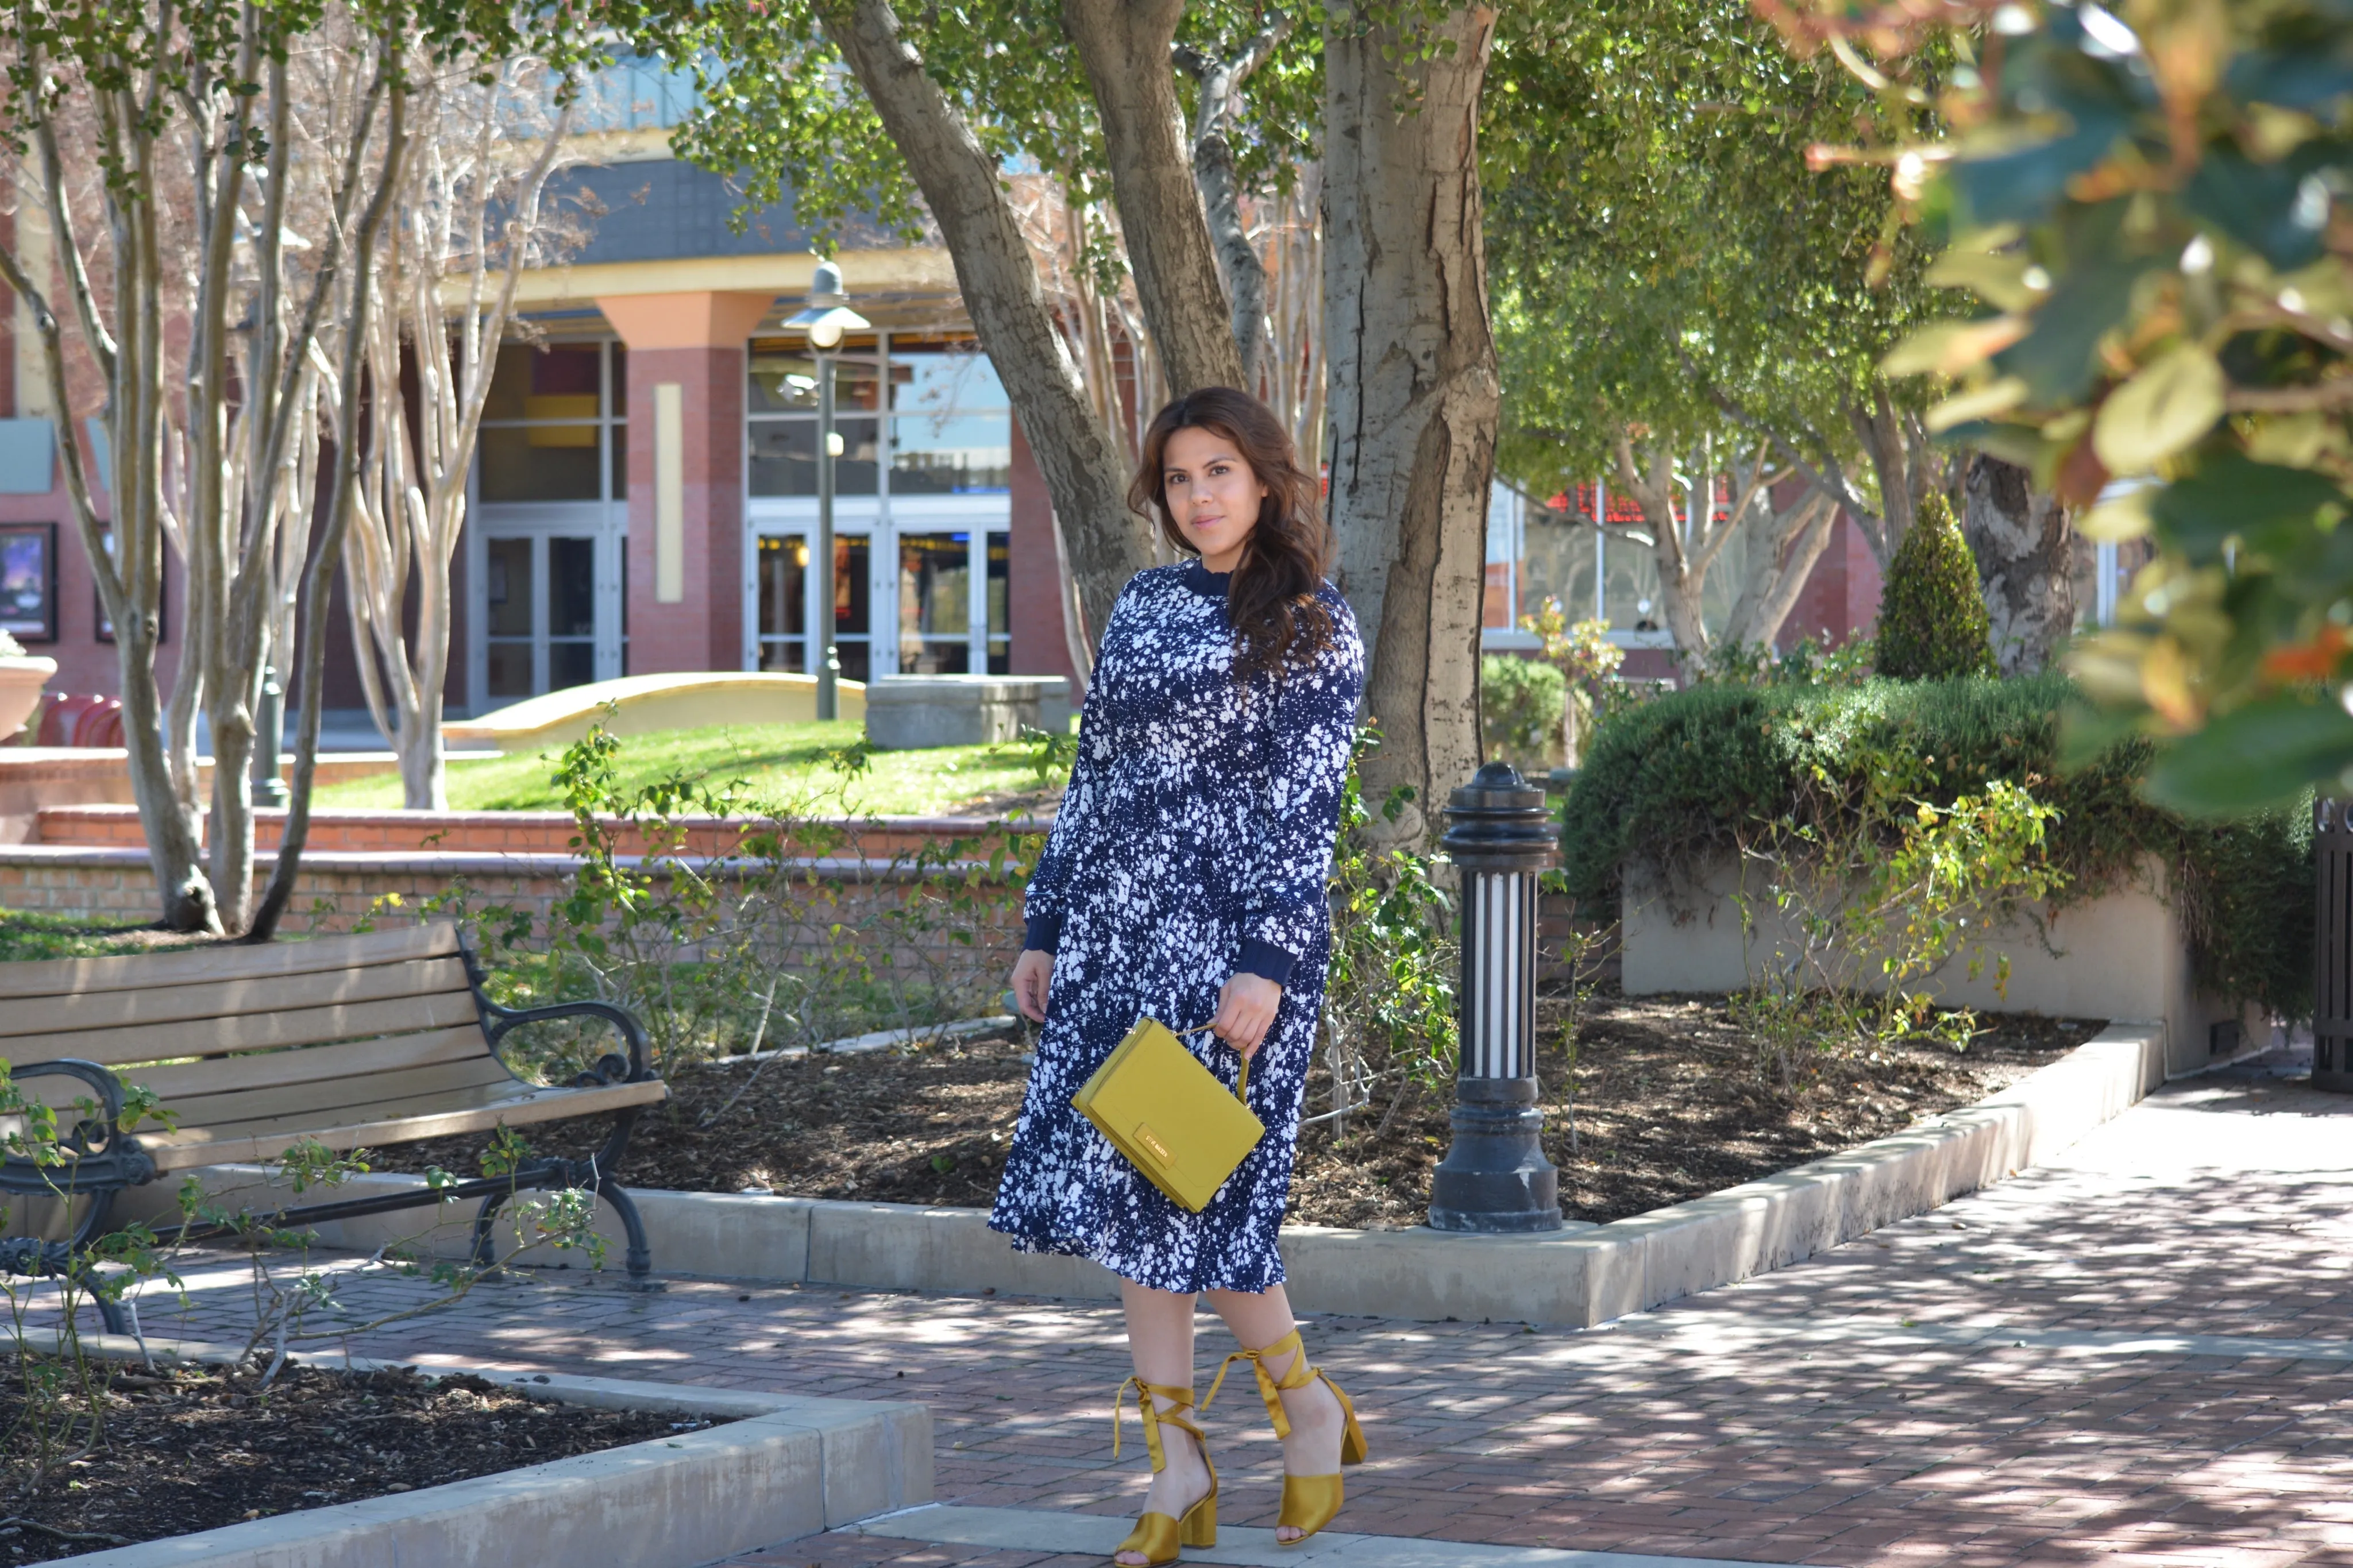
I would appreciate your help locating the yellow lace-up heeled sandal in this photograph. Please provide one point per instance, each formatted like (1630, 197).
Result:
(1158, 1536)
(1309, 1503)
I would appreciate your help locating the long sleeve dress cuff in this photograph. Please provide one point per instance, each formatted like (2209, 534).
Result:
(1266, 960)
(1042, 933)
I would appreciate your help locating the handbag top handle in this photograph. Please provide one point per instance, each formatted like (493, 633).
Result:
(1241, 1084)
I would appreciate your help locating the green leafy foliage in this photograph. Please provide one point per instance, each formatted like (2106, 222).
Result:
(2148, 205)
(779, 113)
(1700, 776)
(695, 906)
(1521, 701)
(1658, 244)
(1932, 621)
(1870, 904)
(1805, 662)
(1389, 997)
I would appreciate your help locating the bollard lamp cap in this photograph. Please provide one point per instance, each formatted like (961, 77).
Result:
(1498, 822)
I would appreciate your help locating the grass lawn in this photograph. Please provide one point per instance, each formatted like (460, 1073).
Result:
(777, 763)
(24, 935)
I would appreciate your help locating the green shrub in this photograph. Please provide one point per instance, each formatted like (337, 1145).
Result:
(1520, 705)
(1932, 618)
(1699, 774)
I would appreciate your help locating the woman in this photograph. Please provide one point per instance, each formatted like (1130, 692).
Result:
(1184, 879)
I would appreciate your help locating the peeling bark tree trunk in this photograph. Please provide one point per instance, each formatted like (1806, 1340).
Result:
(2024, 543)
(1108, 543)
(1414, 393)
(1127, 48)
(1220, 82)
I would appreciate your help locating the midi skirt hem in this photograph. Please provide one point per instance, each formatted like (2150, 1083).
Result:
(1249, 1282)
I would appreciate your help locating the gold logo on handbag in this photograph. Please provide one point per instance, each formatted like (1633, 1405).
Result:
(1169, 1114)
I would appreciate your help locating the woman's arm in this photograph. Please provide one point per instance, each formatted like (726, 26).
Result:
(1043, 900)
(1314, 726)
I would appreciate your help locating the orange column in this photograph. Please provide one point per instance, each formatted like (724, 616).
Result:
(686, 474)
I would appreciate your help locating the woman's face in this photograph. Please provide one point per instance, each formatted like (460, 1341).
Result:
(1212, 493)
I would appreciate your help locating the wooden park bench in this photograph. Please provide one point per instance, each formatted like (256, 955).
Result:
(353, 1041)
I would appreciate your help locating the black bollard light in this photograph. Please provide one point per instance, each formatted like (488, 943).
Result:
(1495, 1178)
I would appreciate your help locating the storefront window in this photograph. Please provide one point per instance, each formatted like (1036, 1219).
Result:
(549, 422)
(951, 433)
(780, 405)
(783, 457)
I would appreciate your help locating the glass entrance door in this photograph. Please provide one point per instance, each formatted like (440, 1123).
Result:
(954, 617)
(543, 617)
(785, 583)
(935, 604)
(514, 619)
(906, 602)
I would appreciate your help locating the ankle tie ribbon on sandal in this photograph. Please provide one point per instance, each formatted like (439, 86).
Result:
(1271, 1388)
(1178, 1399)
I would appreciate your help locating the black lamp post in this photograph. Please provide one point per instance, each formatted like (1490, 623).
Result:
(1495, 1178)
(268, 734)
(825, 319)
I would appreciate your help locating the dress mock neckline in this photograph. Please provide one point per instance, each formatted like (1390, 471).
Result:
(1201, 580)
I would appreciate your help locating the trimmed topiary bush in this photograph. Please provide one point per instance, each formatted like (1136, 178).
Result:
(1694, 776)
(1932, 618)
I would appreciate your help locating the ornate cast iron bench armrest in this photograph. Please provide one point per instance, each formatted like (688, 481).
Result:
(114, 1159)
(611, 1067)
(96, 1170)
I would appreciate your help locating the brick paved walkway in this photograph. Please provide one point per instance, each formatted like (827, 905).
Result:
(2046, 1373)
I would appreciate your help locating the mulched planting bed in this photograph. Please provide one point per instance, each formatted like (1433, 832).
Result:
(1668, 1106)
(186, 1449)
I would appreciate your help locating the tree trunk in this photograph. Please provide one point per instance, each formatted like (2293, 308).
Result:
(425, 774)
(320, 570)
(2024, 541)
(1221, 83)
(1781, 557)
(1413, 388)
(129, 577)
(1108, 543)
(167, 819)
(1681, 577)
(1128, 47)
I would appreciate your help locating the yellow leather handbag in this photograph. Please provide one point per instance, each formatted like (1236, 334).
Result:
(1169, 1114)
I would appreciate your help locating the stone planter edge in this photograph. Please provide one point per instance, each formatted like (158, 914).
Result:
(785, 1467)
(2120, 954)
(1581, 1275)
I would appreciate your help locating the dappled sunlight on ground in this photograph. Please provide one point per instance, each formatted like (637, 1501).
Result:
(2052, 1372)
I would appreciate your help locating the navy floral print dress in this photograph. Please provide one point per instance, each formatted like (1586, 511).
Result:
(1194, 843)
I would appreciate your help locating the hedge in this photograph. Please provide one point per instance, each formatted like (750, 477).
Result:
(1693, 775)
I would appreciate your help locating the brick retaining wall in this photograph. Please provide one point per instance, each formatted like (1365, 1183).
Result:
(338, 888)
(544, 832)
(335, 891)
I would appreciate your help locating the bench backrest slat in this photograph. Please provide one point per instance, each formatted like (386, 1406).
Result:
(340, 1100)
(251, 1031)
(174, 1082)
(308, 1117)
(56, 1018)
(223, 961)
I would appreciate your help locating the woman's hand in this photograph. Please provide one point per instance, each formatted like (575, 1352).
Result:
(1245, 1012)
(1033, 975)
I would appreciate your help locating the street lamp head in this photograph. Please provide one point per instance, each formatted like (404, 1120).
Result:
(827, 315)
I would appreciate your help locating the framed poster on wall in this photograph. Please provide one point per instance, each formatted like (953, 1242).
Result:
(28, 581)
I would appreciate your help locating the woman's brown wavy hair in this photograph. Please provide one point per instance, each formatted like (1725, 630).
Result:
(1271, 600)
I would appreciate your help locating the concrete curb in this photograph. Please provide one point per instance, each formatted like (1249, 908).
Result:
(1580, 1276)
(785, 1467)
